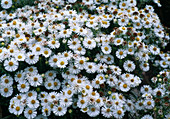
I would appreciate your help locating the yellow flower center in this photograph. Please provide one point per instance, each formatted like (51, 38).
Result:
(29, 111)
(106, 48)
(11, 63)
(124, 85)
(62, 63)
(17, 108)
(119, 112)
(46, 52)
(19, 57)
(5, 90)
(59, 108)
(121, 53)
(22, 85)
(55, 60)
(6, 80)
(82, 101)
(38, 49)
(6, 2)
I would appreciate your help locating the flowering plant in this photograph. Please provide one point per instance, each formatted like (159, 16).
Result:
(90, 56)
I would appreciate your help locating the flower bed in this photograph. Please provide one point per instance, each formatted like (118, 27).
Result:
(81, 59)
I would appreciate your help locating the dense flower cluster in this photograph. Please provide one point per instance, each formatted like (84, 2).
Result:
(89, 55)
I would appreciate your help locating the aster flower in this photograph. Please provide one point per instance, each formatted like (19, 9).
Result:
(6, 4)
(30, 113)
(129, 66)
(11, 65)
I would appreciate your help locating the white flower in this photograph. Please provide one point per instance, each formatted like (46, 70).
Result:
(90, 67)
(46, 110)
(129, 66)
(23, 86)
(124, 87)
(107, 112)
(154, 50)
(30, 113)
(121, 53)
(118, 113)
(31, 58)
(59, 110)
(89, 43)
(6, 4)
(6, 80)
(6, 91)
(82, 102)
(46, 52)
(35, 80)
(144, 66)
(149, 104)
(11, 65)
(32, 102)
(93, 111)
(106, 49)
(118, 41)
(18, 109)
(62, 62)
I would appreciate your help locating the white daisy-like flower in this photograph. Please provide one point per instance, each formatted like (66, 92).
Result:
(154, 50)
(90, 67)
(59, 110)
(53, 61)
(80, 62)
(80, 50)
(109, 59)
(164, 64)
(74, 43)
(65, 101)
(121, 53)
(6, 4)
(20, 56)
(37, 49)
(46, 110)
(107, 112)
(46, 52)
(48, 84)
(106, 49)
(32, 102)
(82, 102)
(31, 58)
(11, 65)
(50, 74)
(6, 91)
(124, 87)
(144, 66)
(149, 103)
(116, 70)
(18, 109)
(23, 86)
(65, 33)
(67, 55)
(53, 44)
(118, 41)
(158, 92)
(30, 113)
(35, 80)
(6, 80)
(62, 62)
(89, 43)
(129, 66)
(93, 111)
(118, 113)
